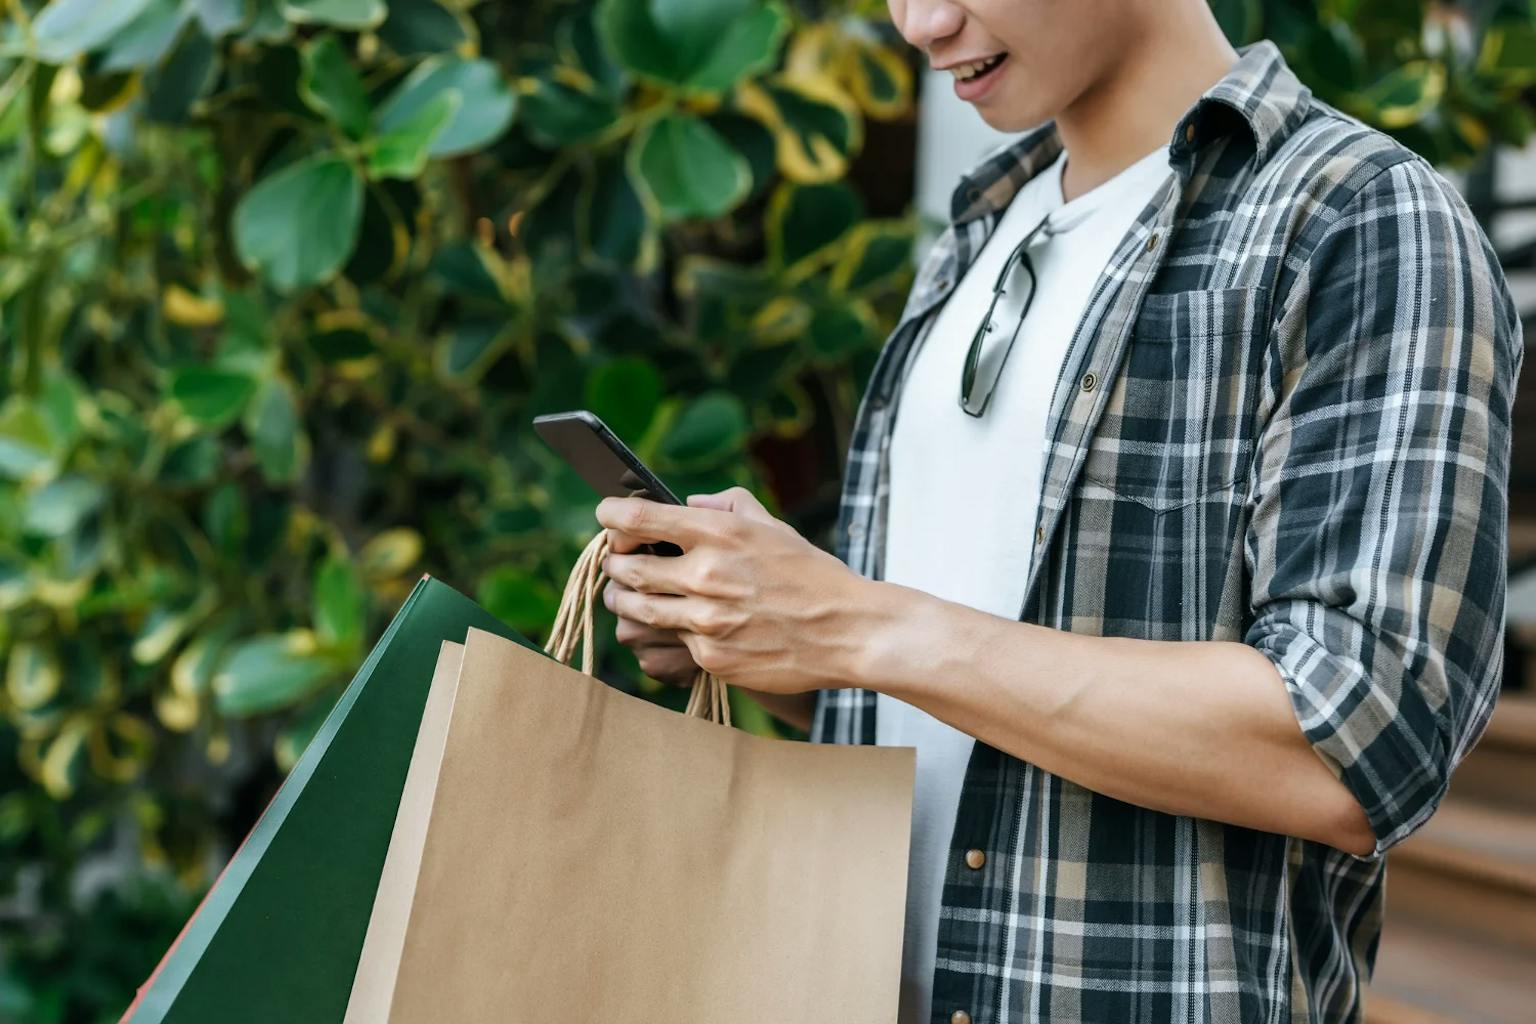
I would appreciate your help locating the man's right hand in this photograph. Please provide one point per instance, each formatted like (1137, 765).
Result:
(661, 653)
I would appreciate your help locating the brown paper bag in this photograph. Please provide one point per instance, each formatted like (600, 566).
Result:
(590, 856)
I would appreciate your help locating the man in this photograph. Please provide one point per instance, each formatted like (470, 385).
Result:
(1190, 606)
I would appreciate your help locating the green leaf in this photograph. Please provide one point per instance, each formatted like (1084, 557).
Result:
(32, 676)
(61, 506)
(162, 629)
(517, 597)
(619, 229)
(68, 28)
(703, 45)
(145, 40)
(836, 332)
(268, 673)
(1404, 95)
(806, 220)
(711, 427)
(1509, 54)
(26, 443)
(173, 88)
(221, 17)
(416, 27)
(624, 393)
(212, 397)
(557, 114)
(747, 47)
(338, 604)
(402, 151)
(278, 233)
(268, 25)
(192, 671)
(353, 14)
(390, 554)
(815, 129)
(272, 422)
(486, 111)
(330, 86)
(687, 168)
(874, 253)
(226, 518)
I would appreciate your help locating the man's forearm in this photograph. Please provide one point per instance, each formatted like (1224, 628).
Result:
(1203, 729)
(794, 708)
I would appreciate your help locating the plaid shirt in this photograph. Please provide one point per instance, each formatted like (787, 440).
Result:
(1284, 419)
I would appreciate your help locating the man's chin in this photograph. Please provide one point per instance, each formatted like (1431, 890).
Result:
(1010, 119)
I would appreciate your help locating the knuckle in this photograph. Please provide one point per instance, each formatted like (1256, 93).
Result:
(710, 657)
(635, 517)
(707, 571)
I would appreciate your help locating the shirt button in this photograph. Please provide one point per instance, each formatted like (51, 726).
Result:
(855, 530)
(1152, 240)
(1089, 380)
(1039, 535)
(959, 1017)
(1189, 132)
(974, 859)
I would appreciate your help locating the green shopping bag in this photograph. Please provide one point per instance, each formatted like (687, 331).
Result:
(278, 936)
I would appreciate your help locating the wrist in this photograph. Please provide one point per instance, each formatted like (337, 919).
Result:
(885, 627)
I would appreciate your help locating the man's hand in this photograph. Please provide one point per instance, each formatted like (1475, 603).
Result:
(749, 599)
(661, 652)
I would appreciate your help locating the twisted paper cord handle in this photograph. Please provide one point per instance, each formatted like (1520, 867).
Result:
(573, 624)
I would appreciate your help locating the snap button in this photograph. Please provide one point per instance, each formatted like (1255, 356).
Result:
(974, 859)
(1152, 241)
(1189, 132)
(1089, 380)
(959, 1017)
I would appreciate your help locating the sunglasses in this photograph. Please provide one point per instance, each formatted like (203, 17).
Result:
(989, 350)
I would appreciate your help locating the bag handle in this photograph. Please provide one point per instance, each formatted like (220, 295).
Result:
(573, 624)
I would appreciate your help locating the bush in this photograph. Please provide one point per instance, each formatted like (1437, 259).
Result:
(284, 284)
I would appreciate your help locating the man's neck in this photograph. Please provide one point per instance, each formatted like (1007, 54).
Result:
(1134, 107)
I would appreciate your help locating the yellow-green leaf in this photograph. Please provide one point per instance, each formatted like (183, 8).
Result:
(390, 554)
(32, 676)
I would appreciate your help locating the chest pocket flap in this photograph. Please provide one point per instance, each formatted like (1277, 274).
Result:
(1180, 422)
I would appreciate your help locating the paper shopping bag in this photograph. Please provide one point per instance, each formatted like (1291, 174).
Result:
(277, 938)
(590, 856)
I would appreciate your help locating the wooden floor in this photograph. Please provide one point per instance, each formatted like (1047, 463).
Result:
(1460, 937)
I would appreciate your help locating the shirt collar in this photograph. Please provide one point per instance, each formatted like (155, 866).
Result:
(1259, 92)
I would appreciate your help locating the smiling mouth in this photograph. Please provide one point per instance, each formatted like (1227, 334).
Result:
(975, 69)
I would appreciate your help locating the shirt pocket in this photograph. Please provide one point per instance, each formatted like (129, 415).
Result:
(1179, 425)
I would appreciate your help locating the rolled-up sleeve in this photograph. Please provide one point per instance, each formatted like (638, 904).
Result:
(1377, 541)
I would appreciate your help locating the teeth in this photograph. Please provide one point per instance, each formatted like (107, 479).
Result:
(965, 72)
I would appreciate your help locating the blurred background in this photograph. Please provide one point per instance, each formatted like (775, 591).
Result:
(282, 283)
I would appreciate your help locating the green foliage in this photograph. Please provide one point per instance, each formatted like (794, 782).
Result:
(282, 283)
(1447, 79)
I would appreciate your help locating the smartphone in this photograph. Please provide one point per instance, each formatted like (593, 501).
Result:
(606, 463)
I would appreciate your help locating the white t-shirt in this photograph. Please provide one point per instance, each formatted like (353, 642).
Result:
(964, 490)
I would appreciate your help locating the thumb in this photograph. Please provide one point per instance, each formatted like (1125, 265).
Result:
(733, 499)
